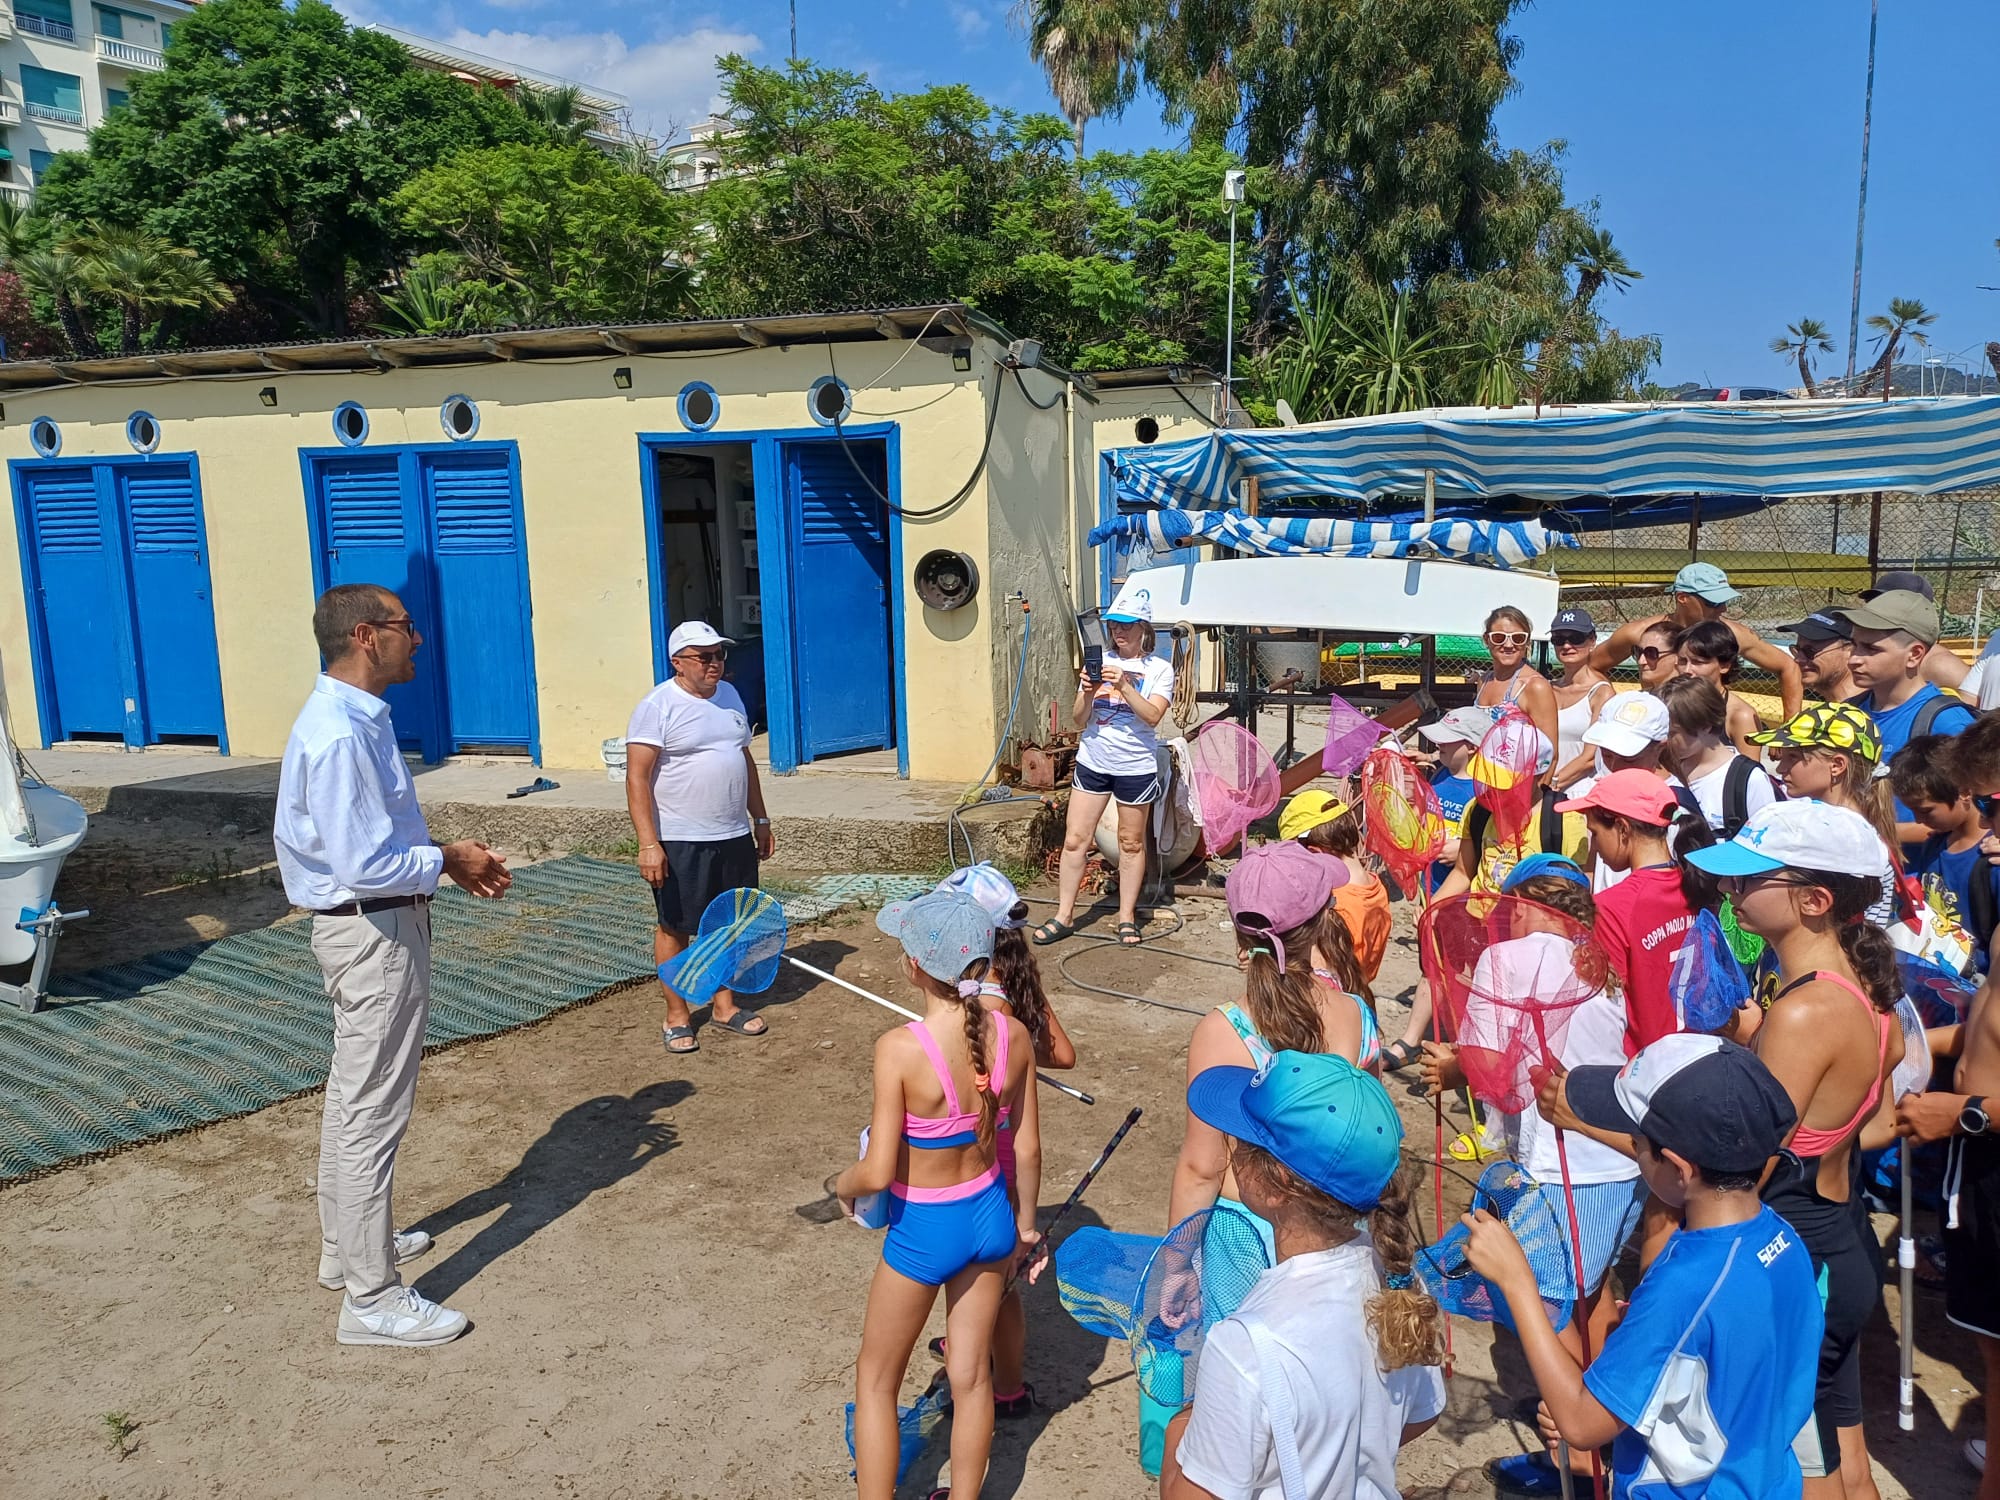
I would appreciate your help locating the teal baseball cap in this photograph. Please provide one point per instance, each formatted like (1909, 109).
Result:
(1704, 581)
(1324, 1118)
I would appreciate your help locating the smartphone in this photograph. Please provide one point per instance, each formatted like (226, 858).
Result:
(1090, 628)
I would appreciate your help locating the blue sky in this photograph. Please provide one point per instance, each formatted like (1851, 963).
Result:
(1721, 138)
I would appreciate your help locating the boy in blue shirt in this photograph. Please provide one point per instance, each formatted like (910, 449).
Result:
(1456, 736)
(1948, 864)
(1704, 1386)
(1894, 633)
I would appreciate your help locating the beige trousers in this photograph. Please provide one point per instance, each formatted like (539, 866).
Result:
(378, 975)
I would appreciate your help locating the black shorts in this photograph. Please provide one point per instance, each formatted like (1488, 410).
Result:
(1972, 1235)
(1849, 1267)
(697, 874)
(1129, 791)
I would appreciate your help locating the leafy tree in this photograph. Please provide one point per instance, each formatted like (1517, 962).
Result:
(1598, 262)
(1090, 51)
(57, 275)
(143, 276)
(270, 144)
(1906, 319)
(1801, 340)
(559, 112)
(544, 234)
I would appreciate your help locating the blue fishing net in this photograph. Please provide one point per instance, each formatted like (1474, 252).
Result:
(1707, 982)
(738, 947)
(1098, 1272)
(914, 1426)
(1511, 1195)
(1199, 1275)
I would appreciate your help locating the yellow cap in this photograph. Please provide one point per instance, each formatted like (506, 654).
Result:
(1307, 811)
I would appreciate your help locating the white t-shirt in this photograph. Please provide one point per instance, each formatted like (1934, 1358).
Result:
(1982, 682)
(1116, 741)
(1758, 793)
(701, 787)
(1348, 1416)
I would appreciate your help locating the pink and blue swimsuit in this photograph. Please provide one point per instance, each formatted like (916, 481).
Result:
(935, 1233)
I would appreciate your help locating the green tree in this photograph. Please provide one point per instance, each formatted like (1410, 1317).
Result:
(142, 276)
(1599, 263)
(559, 112)
(1907, 318)
(1802, 340)
(547, 234)
(57, 275)
(270, 145)
(1090, 51)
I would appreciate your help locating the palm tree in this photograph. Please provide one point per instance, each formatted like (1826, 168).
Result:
(144, 274)
(1802, 339)
(560, 112)
(56, 272)
(1499, 364)
(1598, 262)
(1906, 319)
(1090, 51)
(421, 303)
(1387, 368)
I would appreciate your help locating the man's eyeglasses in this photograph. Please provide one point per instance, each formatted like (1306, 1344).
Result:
(405, 623)
(705, 658)
(1506, 637)
(1807, 650)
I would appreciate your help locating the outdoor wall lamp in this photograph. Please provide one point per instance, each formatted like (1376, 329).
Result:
(268, 395)
(622, 377)
(961, 355)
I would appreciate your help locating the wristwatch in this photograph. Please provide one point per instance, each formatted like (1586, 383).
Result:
(761, 822)
(1972, 1116)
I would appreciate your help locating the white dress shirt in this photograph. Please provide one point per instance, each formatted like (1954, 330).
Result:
(348, 824)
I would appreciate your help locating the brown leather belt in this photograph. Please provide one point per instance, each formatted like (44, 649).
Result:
(372, 904)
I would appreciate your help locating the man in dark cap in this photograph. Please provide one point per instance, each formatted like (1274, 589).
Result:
(1825, 653)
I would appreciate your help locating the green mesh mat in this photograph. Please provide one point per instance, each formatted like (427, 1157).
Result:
(139, 1050)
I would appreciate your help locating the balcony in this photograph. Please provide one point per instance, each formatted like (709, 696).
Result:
(125, 55)
(6, 24)
(59, 31)
(16, 192)
(54, 113)
(10, 111)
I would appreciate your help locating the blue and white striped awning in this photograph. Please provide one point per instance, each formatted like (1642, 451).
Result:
(1768, 451)
(1502, 543)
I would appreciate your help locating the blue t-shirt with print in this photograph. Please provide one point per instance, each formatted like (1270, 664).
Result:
(1947, 881)
(1454, 794)
(1897, 725)
(1712, 1371)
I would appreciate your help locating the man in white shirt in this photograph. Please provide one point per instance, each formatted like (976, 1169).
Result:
(698, 808)
(353, 850)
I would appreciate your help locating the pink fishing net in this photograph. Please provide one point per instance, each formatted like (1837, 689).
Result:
(1508, 974)
(1505, 772)
(1235, 781)
(1350, 735)
(1403, 822)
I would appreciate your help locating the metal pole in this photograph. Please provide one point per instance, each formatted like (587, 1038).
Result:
(795, 30)
(1229, 325)
(1861, 213)
(1874, 536)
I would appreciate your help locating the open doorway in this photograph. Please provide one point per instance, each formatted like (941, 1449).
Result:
(705, 565)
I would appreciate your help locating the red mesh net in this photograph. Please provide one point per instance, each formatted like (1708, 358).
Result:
(1505, 771)
(1508, 973)
(1235, 781)
(1403, 824)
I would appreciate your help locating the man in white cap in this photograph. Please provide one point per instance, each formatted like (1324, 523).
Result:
(1700, 592)
(698, 809)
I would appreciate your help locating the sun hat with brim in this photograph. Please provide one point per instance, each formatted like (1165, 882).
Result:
(1704, 581)
(1898, 609)
(1821, 625)
(944, 931)
(1493, 764)
(1326, 1120)
(1629, 724)
(1703, 1098)
(1800, 834)
(1915, 583)
(1638, 795)
(1825, 726)
(1308, 811)
(993, 891)
(1131, 607)
(1278, 887)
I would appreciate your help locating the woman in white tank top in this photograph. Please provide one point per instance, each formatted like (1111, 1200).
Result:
(1581, 691)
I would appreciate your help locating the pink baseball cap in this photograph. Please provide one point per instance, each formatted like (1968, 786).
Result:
(1278, 887)
(1638, 795)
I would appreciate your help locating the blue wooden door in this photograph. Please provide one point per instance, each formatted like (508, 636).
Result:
(843, 654)
(180, 678)
(78, 593)
(371, 531)
(483, 637)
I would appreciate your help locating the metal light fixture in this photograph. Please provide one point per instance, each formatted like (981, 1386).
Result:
(268, 395)
(961, 355)
(622, 377)
(1232, 194)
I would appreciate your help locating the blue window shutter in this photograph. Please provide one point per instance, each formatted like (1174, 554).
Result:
(475, 505)
(110, 23)
(54, 90)
(65, 512)
(44, 10)
(364, 507)
(163, 510)
(39, 162)
(116, 99)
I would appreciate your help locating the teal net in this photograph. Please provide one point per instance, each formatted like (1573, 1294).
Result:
(1201, 1274)
(1098, 1272)
(914, 1426)
(738, 947)
(1515, 1198)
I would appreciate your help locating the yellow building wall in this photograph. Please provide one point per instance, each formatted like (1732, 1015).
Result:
(582, 511)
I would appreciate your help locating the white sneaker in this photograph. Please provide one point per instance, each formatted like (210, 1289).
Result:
(405, 1317)
(410, 1243)
(1975, 1453)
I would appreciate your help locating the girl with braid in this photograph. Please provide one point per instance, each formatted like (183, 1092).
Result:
(944, 1087)
(1331, 1364)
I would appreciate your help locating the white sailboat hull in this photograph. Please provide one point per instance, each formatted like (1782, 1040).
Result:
(28, 871)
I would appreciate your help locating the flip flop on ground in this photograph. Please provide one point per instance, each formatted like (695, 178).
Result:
(1052, 931)
(743, 1023)
(683, 1035)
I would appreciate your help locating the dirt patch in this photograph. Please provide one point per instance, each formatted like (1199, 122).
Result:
(657, 1313)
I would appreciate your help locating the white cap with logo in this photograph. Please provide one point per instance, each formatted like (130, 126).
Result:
(1628, 723)
(695, 633)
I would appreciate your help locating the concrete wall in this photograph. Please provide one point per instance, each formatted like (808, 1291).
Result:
(580, 471)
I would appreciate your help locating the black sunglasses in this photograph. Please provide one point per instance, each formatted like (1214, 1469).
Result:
(1988, 803)
(1651, 654)
(706, 658)
(1564, 638)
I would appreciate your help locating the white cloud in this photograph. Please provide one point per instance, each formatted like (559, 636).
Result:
(972, 22)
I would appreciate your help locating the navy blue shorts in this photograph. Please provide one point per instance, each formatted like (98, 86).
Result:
(699, 872)
(1130, 791)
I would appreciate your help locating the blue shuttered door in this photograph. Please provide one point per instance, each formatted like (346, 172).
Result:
(174, 620)
(484, 638)
(78, 588)
(843, 654)
(366, 522)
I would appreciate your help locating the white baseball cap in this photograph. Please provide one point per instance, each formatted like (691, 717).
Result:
(1132, 606)
(695, 633)
(1800, 834)
(992, 890)
(1464, 725)
(1628, 723)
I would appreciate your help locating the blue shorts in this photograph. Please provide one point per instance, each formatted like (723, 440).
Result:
(1608, 1215)
(931, 1242)
(1129, 791)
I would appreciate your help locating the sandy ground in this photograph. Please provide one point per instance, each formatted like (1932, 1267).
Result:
(659, 1311)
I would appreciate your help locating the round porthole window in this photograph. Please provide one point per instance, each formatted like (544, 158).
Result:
(460, 418)
(700, 407)
(1146, 430)
(142, 432)
(828, 400)
(45, 436)
(350, 424)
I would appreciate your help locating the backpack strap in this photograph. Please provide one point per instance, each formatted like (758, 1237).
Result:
(1985, 913)
(1552, 824)
(1277, 1393)
(1927, 716)
(1736, 795)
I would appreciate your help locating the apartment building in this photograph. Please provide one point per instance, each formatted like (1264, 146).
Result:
(65, 65)
(608, 113)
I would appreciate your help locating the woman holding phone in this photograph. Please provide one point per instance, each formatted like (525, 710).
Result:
(1118, 757)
